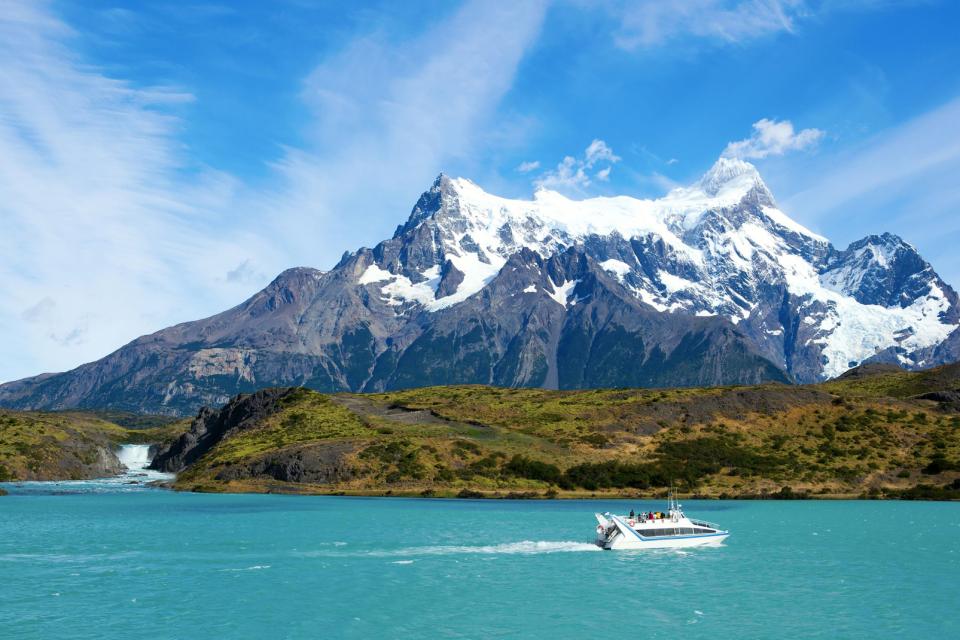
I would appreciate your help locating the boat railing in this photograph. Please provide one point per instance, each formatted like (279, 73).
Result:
(704, 523)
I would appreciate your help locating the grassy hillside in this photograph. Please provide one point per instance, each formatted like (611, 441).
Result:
(863, 435)
(41, 446)
(72, 445)
(877, 432)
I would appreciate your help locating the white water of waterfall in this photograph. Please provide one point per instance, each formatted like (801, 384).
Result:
(134, 457)
(136, 476)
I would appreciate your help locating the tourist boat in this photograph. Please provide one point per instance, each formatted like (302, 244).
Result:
(656, 530)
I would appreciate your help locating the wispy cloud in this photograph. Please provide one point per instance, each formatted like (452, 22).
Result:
(103, 222)
(41, 311)
(104, 215)
(573, 175)
(772, 138)
(245, 272)
(651, 23)
(918, 147)
(909, 172)
(528, 166)
(388, 116)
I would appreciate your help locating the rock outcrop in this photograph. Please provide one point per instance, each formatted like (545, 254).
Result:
(210, 427)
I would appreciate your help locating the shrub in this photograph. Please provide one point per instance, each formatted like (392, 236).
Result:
(939, 464)
(524, 467)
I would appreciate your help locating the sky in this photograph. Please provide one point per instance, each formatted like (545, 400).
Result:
(161, 161)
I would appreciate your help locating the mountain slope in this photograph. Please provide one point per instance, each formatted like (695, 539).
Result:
(711, 284)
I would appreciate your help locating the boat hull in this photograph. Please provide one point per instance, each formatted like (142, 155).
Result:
(621, 541)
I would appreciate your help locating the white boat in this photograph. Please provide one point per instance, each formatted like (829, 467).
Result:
(656, 530)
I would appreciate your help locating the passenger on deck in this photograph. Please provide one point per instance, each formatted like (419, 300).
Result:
(631, 514)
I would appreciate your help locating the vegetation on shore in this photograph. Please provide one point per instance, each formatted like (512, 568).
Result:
(873, 434)
(863, 436)
(55, 446)
(73, 445)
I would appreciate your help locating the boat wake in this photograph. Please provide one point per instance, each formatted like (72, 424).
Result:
(525, 547)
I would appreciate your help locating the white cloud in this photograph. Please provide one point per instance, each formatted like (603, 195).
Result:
(573, 175)
(527, 167)
(772, 138)
(650, 23)
(103, 221)
(389, 116)
(102, 213)
(569, 174)
(598, 151)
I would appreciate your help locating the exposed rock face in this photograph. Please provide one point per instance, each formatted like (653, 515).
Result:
(711, 284)
(80, 460)
(323, 463)
(76, 459)
(210, 427)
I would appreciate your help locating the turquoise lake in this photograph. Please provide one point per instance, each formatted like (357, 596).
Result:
(104, 562)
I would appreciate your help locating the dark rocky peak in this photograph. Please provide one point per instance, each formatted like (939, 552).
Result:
(568, 265)
(440, 197)
(450, 279)
(881, 248)
(292, 288)
(527, 272)
(210, 427)
(885, 270)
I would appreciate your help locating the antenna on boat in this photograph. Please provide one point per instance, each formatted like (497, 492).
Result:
(672, 505)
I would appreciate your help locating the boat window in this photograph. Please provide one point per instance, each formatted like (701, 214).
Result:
(653, 533)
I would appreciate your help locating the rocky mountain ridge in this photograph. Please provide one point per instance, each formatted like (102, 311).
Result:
(711, 284)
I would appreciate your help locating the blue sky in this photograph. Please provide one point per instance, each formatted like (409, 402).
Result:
(161, 161)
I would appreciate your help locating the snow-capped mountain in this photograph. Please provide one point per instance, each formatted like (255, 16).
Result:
(710, 284)
(718, 248)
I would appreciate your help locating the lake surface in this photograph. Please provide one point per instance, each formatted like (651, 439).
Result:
(126, 561)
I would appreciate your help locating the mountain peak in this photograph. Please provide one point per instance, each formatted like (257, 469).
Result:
(885, 239)
(727, 172)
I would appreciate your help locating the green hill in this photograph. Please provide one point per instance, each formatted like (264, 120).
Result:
(872, 432)
(876, 431)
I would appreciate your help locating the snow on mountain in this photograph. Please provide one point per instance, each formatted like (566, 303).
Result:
(720, 247)
(711, 284)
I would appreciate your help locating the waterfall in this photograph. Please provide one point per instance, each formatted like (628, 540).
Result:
(134, 457)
